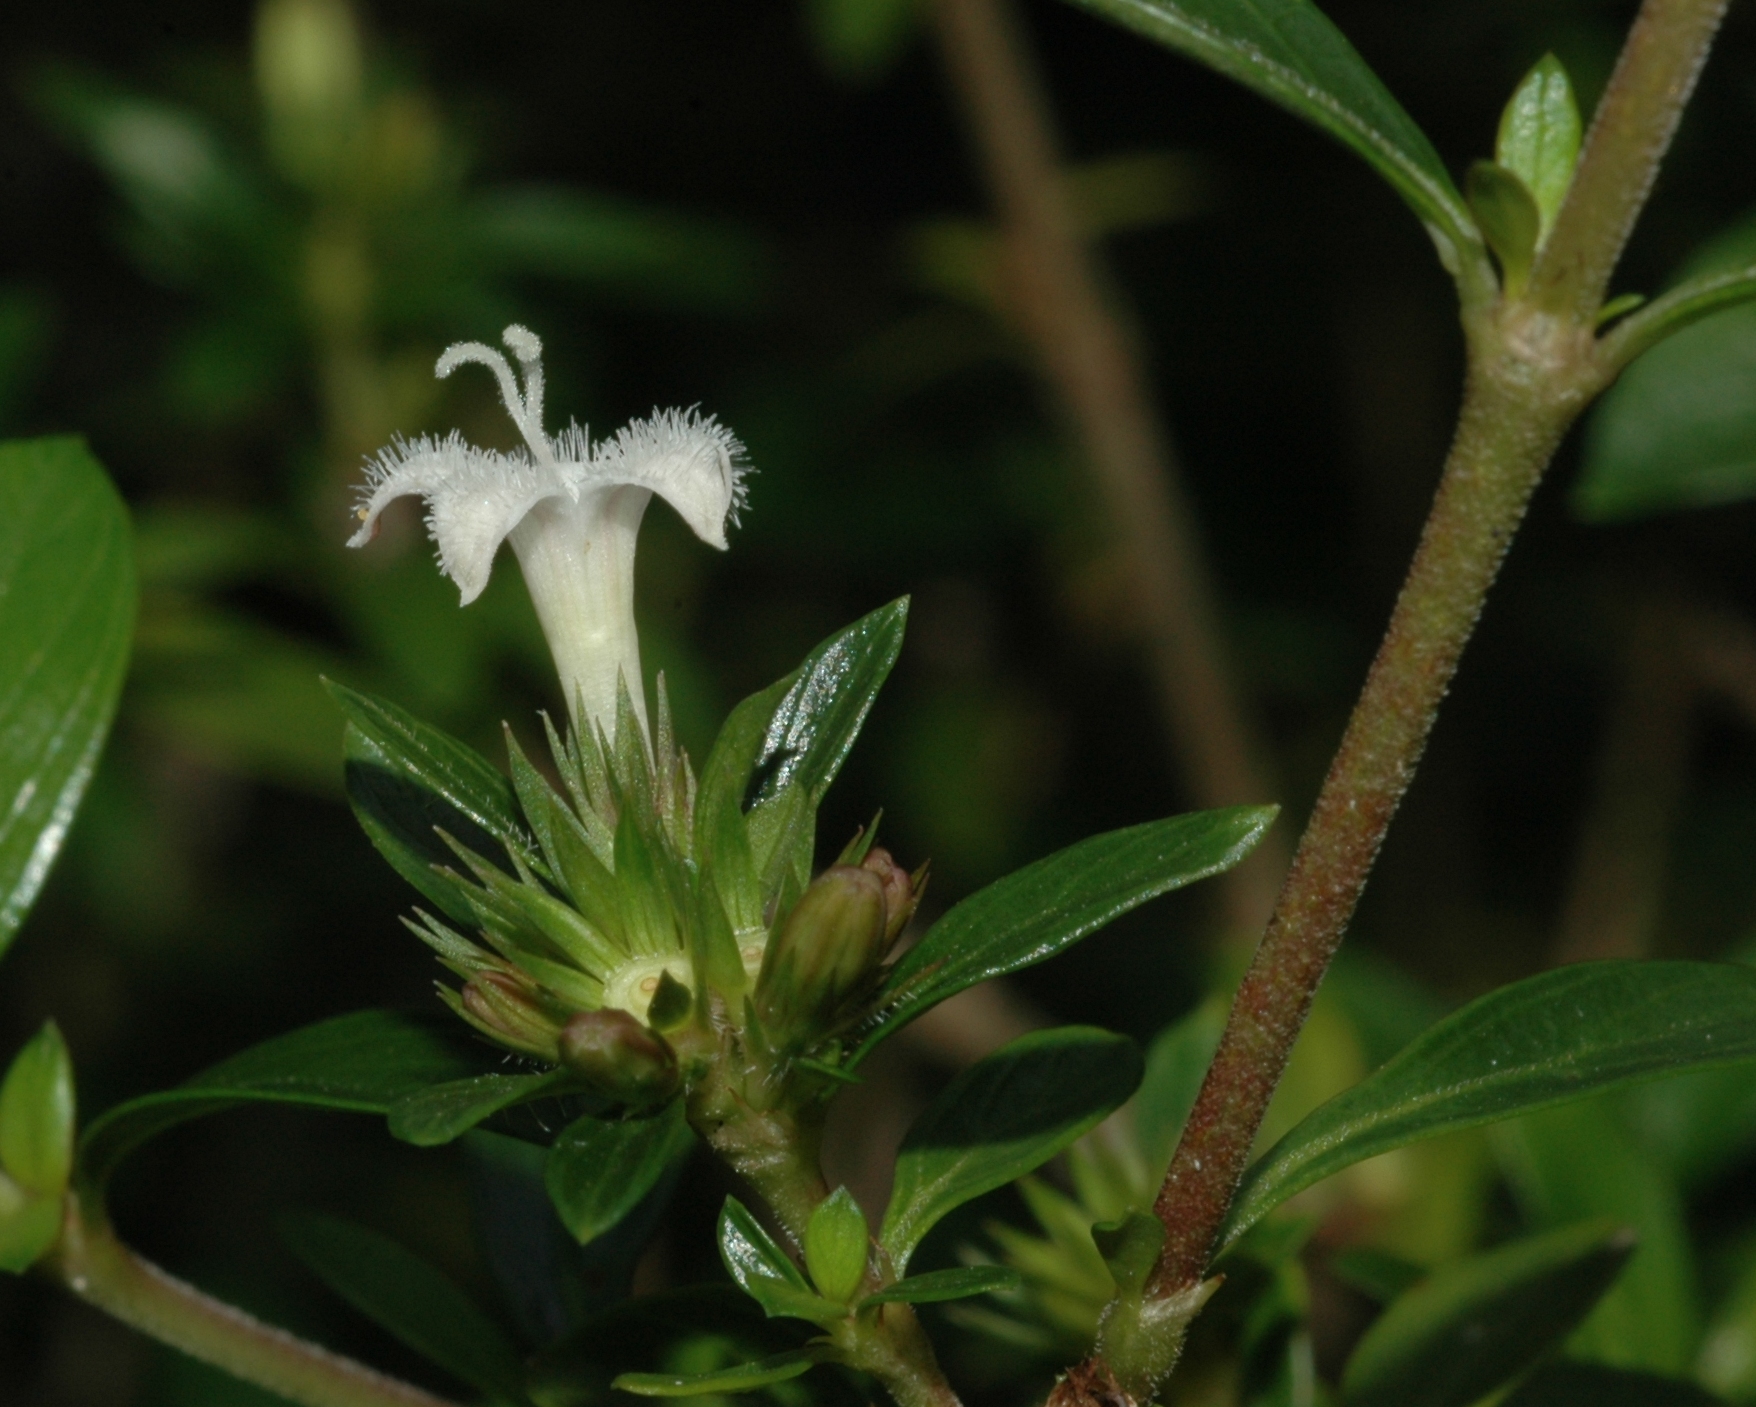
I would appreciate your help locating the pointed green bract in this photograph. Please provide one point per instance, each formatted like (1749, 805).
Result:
(1541, 1042)
(1510, 220)
(1046, 907)
(1000, 1119)
(1475, 1325)
(67, 600)
(37, 1116)
(1539, 138)
(743, 1377)
(410, 1299)
(599, 1170)
(765, 1272)
(1290, 53)
(836, 1242)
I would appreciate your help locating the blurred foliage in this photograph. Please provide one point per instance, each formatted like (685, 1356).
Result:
(233, 244)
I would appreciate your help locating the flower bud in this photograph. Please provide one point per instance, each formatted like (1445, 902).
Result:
(510, 1010)
(900, 892)
(627, 1061)
(827, 950)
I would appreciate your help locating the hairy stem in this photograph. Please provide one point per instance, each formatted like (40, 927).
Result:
(1629, 134)
(103, 1272)
(1094, 365)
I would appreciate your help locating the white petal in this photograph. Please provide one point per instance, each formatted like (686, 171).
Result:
(691, 461)
(474, 497)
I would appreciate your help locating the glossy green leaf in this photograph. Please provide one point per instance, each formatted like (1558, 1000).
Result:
(66, 623)
(599, 1170)
(1510, 220)
(814, 725)
(1544, 1041)
(1289, 52)
(1473, 1325)
(1046, 907)
(410, 1299)
(364, 1062)
(742, 1377)
(1577, 1163)
(430, 1117)
(1539, 137)
(1590, 1385)
(1678, 429)
(765, 1272)
(1000, 1119)
(408, 780)
(37, 1115)
(837, 1242)
(937, 1286)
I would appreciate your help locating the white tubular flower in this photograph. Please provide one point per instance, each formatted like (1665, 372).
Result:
(571, 510)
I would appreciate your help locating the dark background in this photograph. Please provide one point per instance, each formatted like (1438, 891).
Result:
(1303, 345)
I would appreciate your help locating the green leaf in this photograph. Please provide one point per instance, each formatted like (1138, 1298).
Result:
(1678, 429)
(1046, 907)
(37, 1115)
(29, 1226)
(743, 1377)
(1510, 220)
(1544, 1041)
(765, 1272)
(430, 1117)
(1578, 1162)
(408, 780)
(1727, 1362)
(1287, 51)
(364, 1062)
(66, 622)
(1474, 1325)
(837, 1241)
(1539, 137)
(937, 1286)
(1130, 1248)
(814, 726)
(1374, 1273)
(1587, 1385)
(599, 1170)
(1000, 1119)
(410, 1299)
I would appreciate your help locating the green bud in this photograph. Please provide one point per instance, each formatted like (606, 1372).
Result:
(837, 1241)
(508, 1008)
(622, 1057)
(29, 1226)
(37, 1116)
(826, 952)
(1539, 137)
(309, 72)
(1508, 215)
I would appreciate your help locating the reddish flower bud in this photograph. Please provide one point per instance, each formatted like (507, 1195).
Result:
(624, 1058)
(900, 893)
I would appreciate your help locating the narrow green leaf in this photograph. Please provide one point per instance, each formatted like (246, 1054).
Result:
(1130, 1248)
(1000, 1119)
(1289, 52)
(363, 1062)
(937, 1286)
(743, 1377)
(836, 1246)
(430, 1117)
(1046, 907)
(1588, 1385)
(765, 1272)
(410, 1299)
(1539, 137)
(37, 1115)
(1577, 1163)
(1510, 220)
(1474, 1325)
(66, 623)
(814, 726)
(1376, 1274)
(599, 1170)
(1544, 1041)
(407, 780)
(29, 1226)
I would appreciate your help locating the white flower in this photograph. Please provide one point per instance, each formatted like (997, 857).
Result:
(571, 510)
